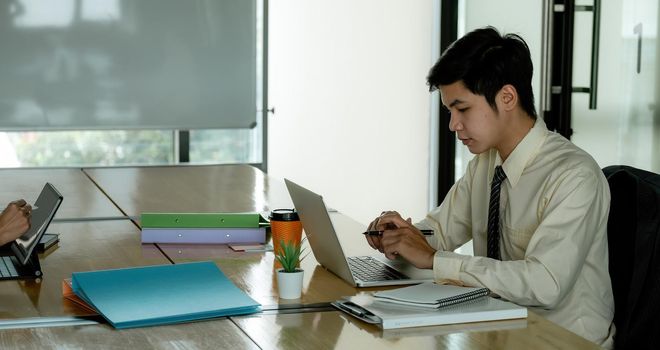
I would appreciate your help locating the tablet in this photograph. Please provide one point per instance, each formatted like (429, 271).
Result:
(43, 211)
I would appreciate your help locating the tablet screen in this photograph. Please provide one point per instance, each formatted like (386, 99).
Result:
(43, 211)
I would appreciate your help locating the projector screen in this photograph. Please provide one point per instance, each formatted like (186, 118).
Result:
(128, 64)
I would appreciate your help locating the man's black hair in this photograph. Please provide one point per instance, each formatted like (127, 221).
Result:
(486, 61)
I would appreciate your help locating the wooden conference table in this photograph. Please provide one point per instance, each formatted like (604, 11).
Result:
(97, 234)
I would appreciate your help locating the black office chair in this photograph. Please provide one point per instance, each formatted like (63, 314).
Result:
(633, 232)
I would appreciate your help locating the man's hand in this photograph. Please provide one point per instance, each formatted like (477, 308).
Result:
(374, 241)
(14, 220)
(400, 237)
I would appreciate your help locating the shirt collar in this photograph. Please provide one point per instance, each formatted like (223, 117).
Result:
(522, 154)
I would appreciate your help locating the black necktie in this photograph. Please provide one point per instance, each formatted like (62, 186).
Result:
(494, 214)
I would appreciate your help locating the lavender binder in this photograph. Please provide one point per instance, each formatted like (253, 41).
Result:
(204, 235)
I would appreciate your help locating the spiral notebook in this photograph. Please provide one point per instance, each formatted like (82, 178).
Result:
(431, 295)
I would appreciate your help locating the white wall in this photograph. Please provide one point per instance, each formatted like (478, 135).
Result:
(347, 80)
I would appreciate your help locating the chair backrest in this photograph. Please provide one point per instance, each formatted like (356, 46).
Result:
(633, 231)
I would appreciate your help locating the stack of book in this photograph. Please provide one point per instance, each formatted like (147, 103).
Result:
(221, 228)
(429, 304)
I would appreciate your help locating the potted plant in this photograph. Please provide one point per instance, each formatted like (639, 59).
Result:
(290, 276)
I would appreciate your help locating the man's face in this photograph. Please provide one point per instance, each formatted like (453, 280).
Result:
(475, 122)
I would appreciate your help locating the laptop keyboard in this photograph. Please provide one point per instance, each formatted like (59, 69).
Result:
(7, 267)
(368, 269)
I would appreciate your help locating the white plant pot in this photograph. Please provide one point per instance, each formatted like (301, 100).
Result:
(289, 284)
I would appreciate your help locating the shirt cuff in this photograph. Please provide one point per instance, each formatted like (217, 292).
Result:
(447, 265)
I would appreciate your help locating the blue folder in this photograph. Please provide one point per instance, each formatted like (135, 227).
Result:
(163, 294)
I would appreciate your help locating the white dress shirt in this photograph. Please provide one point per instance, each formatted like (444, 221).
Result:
(553, 220)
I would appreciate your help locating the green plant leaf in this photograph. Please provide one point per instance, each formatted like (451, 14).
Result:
(289, 255)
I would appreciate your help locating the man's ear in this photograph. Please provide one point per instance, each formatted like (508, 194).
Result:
(508, 97)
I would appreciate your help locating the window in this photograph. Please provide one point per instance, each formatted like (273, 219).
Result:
(60, 103)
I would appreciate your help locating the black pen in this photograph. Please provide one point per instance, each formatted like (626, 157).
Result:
(380, 233)
(357, 311)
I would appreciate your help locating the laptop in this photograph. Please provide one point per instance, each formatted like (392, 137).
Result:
(23, 263)
(321, 228)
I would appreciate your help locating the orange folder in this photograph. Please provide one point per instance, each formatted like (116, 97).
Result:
(67, 293)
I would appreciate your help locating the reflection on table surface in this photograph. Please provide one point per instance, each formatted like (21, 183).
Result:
(82, 199)
(213, 334)
(335, 330)
(213, 188)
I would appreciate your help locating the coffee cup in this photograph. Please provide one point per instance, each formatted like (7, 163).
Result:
(285, 227)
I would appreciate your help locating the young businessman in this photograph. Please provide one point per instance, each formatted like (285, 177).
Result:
(534, 205)
(14, 221)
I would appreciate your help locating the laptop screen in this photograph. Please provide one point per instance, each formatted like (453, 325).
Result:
(43, 211)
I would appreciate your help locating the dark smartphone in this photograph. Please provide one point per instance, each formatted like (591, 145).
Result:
(47, 240)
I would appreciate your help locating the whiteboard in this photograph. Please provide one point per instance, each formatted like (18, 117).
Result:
(127, 64)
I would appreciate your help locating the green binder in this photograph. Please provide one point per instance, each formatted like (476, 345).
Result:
(202, 220)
